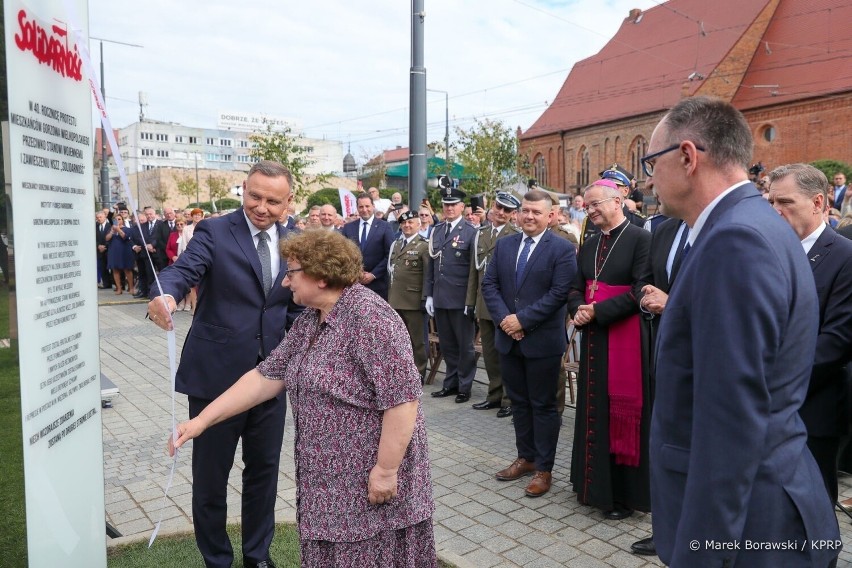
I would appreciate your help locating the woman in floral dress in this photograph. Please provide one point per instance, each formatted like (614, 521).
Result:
(364, 496)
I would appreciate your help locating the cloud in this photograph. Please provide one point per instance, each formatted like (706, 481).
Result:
(328, 62)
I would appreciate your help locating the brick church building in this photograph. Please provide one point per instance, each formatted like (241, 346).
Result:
(786, 64)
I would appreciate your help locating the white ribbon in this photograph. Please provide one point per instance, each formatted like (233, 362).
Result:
(83, 48)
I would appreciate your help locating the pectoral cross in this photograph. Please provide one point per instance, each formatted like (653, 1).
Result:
(593, 287)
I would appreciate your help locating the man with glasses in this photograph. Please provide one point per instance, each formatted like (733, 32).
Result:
(504, 207)
(609, 465)
(427, 223)
(622, 180)
(729, 460)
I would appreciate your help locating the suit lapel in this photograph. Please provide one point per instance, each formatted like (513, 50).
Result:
(283, 233)
(821, 248)
(242, 235)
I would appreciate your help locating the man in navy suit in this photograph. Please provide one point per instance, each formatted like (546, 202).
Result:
(525, 288)
(241, 315)
(375, 237)
(797, 191)
(729, 460)
(839, 191)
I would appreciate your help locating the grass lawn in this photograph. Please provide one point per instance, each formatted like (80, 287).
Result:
(180, 551)
(13, 540)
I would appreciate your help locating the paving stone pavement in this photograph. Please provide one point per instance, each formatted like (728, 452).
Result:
(479, 522)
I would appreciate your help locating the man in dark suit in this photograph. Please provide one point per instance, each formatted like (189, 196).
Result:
(154, 237)
(501, 227)
(665, 258)
(102, 229)
(241, 315)
(797, 191)
(729, 460)
(525, 288)
(839, 190)
(374, 236)
(446, 287)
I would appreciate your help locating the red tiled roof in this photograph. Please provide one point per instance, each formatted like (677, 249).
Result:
(644, 67)
(397, 155)
(806, 51)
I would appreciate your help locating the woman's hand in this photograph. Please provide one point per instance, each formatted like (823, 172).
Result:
(382, 485)
(186, 431)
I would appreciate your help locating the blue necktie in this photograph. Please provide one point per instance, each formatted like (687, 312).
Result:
(522, 261)
(680, 255)
(363, 234)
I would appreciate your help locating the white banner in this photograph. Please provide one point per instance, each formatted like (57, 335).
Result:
(348, 203)
(52, 185)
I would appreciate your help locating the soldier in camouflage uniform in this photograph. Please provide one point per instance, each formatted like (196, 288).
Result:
(407, 263)
(486, 238)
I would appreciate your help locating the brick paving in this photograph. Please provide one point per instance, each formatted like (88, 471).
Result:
(479, 522)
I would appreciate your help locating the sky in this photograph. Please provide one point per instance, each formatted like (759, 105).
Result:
(339, 68)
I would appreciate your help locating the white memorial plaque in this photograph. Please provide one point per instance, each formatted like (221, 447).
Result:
(50, 146)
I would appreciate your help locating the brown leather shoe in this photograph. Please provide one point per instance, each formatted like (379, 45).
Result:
(519, 468)
(539, 484)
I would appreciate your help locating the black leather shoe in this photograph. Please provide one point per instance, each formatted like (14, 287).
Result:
(504, 412)
(618, 514)
(485, 405)
(140, 295)
(645, 547)
(462, 397)
(445, 392)
(268, 563)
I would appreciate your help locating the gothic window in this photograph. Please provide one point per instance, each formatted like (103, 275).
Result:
(540, 170)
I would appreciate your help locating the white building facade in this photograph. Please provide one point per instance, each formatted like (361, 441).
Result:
(152, 144)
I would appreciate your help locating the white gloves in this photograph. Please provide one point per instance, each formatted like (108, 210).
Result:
(430, 306)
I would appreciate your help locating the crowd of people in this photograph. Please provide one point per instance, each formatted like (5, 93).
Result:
(715, 339)
(132, 247)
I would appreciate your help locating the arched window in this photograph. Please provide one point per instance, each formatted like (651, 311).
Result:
(583, 167)
(638, 149)
(540, 170)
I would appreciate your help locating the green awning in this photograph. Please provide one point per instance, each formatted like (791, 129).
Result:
(434, 167)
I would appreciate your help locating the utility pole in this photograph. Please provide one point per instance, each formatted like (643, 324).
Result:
(197, 185)
(417, 118)
(446, 125)
(104, 181)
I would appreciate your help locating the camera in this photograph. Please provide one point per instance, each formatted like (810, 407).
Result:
(475, 202)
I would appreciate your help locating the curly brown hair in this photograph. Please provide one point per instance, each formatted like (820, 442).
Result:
(325, 255)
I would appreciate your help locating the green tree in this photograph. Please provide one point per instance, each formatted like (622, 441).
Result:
(374, 172)
(286, 149)
(324, 196)
(218, 187)
(159, 194)
(489, 153)
(831, 167)
(186, 186)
